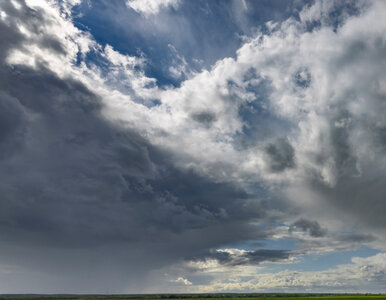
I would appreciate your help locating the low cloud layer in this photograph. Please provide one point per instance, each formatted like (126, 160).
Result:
(339, 280)
(236, 257)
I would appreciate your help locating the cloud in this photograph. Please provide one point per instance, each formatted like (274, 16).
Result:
(281, 155)
(151, 7)
(204, 117)
(236, 257)
(183, 281)
(341, 279)
(308, 88)
(312, 227)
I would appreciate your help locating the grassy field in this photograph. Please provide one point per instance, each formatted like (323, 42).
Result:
(198, 297)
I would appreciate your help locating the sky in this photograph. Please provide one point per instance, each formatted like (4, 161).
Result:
(177, 146)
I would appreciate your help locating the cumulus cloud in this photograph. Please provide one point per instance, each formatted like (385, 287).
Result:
(305, 85)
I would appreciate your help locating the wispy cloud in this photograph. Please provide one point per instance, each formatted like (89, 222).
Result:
(151, 7)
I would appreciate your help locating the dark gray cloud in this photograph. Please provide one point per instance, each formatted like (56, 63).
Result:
(302, 78)
(281, 155)
(70, 179)
(312, 227)
(206, 118)
(344, 157)
(229, 258)
(357, 187)
(357, 238)
(12, 124)
(361, 197)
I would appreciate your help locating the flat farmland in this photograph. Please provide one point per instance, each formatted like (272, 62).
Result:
(196, 297)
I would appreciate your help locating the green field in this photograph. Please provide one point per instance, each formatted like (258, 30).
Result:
(198, 297)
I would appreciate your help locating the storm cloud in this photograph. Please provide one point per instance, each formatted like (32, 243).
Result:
(73, 180)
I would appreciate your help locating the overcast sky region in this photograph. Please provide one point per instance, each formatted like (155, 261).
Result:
(178, 146)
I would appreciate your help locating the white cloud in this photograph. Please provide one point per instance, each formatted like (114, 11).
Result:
(183, 281)
(63, 40)
(362, 275)
(151, 7)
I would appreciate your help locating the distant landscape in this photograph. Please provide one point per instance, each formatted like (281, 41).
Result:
(202, 296)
